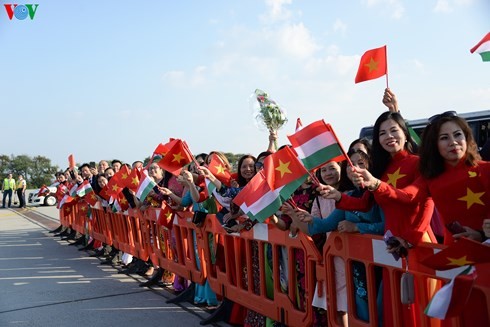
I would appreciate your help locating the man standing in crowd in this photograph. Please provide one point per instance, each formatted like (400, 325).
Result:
(7, 187)
(21, 191)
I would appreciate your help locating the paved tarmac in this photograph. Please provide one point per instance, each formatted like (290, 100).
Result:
(45, 282)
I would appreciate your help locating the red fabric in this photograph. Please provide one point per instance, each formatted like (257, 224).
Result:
(176, 158)
(373, 65)
(450, 192)
(218, 168)
(282, 168)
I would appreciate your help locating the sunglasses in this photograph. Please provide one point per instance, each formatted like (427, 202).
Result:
(435, 118)
(259, 165)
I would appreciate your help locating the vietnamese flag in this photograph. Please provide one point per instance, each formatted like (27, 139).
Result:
(123, 203)
(91, 198)
(165, 216)
(161, 150)
(283, 168)
(123, 176)
(115, 185)
(218, 168)
(461, 253)
(176, 158)
(373, 65)
(104, 193)
(134, 180)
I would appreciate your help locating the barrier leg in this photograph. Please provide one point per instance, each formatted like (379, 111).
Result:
(186, 296)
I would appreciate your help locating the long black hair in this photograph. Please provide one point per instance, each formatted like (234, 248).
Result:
(380, 157)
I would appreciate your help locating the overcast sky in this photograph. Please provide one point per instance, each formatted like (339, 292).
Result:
(112, 79)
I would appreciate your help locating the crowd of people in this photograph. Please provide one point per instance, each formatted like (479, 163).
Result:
(389, 185)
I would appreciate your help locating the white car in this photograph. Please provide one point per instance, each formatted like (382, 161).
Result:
(45, 200)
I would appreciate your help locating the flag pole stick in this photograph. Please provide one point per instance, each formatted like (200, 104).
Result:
(192, 156)
(340, 145)
(386, 68)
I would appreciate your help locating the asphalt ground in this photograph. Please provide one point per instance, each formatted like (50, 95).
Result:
(45, 282)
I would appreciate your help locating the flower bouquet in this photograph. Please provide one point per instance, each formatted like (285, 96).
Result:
(269, 114)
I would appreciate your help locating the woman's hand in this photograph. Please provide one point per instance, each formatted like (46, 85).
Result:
(187, 177)
(347, 227)
(328, 192)
(389, 100)
(164, 190)
(470, 233)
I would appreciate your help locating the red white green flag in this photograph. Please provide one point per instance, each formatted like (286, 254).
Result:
(43, 190)
(145, 186)
(84, 188)
(176, 158)
(483, 48)
(73, 190)
(316, 144)
(373, 65)
(257, 200)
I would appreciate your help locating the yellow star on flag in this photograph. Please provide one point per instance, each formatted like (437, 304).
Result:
(472, 174)
(220, 169)
(83, 208)
(124, 176)
(393, 178)
(168, 215)
(372, 65)
(123, 201)
(68, 209)
(459, 261)
(178, 157)
(115, 187)
(135, 181)
(283, 168)
(472, 198)
(93, 196)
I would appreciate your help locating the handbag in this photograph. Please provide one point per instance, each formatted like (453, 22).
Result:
(198, 218)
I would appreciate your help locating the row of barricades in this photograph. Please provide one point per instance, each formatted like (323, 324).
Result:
(268, 271)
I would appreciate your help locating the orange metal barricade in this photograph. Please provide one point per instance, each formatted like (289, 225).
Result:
(233, 276)
(100, 231)
(79, 218)
(371, 251)
(174, 250)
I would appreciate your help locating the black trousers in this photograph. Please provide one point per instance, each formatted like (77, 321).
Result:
(22, 198)
(5, 194)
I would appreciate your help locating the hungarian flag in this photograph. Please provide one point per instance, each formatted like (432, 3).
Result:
(299, 124)
(84, 189)
(145, 186)
(372, 65)
(115, 186)
(43, 190)
(461, 253)
(483, 48)
(134, 180)
(73, 190)
(257, 200)
(317, 144)
(218, 168)
(451, 299)
(282, 168)
(165, 216)
(91, 198)
(176, 158)
(65, 200)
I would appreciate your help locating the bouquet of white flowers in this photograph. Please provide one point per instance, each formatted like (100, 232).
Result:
(269, 113)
